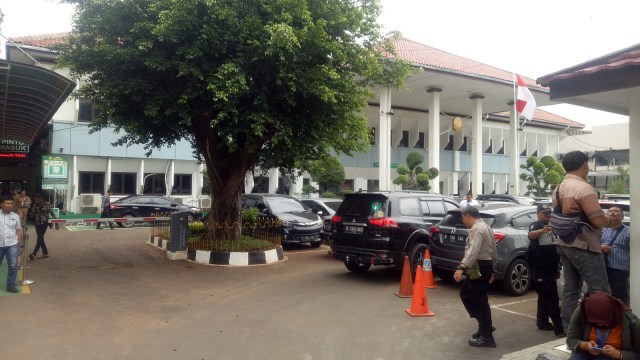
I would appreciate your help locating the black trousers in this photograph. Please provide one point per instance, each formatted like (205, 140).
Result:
(105, 214)
(475, 298)
(618, 281)
(40, 230)
(548, 301)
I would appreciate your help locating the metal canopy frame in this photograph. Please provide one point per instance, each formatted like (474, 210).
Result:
(29, 97)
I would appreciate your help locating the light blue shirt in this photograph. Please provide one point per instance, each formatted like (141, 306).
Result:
(9, 225)
(619, 257)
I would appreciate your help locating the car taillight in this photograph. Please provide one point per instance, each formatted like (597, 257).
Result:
(497, 237)
(384, 222)
(433, 230)
(114, 206)
(336, 219)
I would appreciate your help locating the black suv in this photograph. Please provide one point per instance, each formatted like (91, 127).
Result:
(299, 224)
(381, 228)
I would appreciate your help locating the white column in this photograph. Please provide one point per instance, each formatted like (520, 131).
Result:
(634, 187)
(476, 143)
(274, 178)
(296, 187)
(140, 178)
(169, 177)
(107, 177)
(248, 182)
(514, 153)
(384, 149)
(73, 194)
(434, 135)
(359, 183)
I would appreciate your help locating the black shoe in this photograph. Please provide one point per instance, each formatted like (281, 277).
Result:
(483, 342)
(545, 327)
(477, 333)
(560, 333)
(12, 289)
(32, 256)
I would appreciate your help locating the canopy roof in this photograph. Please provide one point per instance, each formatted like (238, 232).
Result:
(29, 97)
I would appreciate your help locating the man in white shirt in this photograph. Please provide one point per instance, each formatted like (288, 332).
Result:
(469, 200)
(11, 244)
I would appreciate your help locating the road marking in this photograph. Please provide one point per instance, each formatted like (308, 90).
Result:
(499, 307)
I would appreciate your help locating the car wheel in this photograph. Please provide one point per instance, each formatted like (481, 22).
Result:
(316, 244)
(357, 267)
(517, 279)
(127, 223)
(417, 258)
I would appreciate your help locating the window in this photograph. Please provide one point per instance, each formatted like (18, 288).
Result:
(91, 183)
(523, 222)
(433, 208)
(420, 143)
(404, 142)
(181, 184)
(123, 183)
(449, 145)
(154, 184)
(85, 110)
(373, 185)
(409, 207)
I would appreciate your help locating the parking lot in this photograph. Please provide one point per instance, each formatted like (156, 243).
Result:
(108, 295)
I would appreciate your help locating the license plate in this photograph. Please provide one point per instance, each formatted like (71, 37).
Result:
(454, 239)
(358, 230)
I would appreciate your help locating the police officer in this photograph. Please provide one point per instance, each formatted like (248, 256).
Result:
(479, 257)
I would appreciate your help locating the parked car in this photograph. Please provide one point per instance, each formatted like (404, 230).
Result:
(326, 208)
(299, 223)
(524, 200)
(133, 206)
(381, 228)
(511, 227)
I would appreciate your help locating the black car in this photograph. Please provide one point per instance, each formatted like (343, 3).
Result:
(299, 224)
(326, 208)
(148, 205)
(523, 200)
(381, 228)
(511, 233)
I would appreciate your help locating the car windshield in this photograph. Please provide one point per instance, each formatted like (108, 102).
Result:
(283, 205)
(364, 206)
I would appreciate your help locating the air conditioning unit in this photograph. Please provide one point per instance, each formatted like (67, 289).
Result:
(90, 203)
(178, 200)
(205, 203)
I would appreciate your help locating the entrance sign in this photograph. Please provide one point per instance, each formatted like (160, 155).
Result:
(13, 146)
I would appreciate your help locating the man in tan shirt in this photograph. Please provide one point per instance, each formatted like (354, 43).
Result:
(480, 256)
(581, 259)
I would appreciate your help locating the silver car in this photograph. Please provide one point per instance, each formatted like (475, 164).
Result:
(511, 228)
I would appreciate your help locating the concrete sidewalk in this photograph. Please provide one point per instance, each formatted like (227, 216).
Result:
(555, 349)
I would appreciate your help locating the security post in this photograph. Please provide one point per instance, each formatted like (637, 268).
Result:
(179, 233)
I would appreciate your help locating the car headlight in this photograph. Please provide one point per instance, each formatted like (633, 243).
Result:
(285, 223)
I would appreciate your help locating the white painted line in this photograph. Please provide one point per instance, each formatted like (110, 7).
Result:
(499, 307)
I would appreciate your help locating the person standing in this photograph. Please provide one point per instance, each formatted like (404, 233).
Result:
(106, 208)
(41, 212)
(615, 246)
(582, 258)
(11, 242)
(545, 265)
(24, 203)
(469, 200)
(480, 256)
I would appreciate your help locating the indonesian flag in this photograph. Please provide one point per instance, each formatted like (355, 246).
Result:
(526, 104)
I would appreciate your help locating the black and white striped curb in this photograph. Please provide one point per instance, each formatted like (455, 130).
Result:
(222, 258)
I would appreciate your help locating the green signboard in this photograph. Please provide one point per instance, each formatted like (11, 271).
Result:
(393, 165)
(13, 146)
(55, 167)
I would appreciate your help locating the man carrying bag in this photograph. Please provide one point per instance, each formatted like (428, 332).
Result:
(581, 258)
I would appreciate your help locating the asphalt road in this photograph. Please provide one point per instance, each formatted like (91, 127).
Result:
(108, 295)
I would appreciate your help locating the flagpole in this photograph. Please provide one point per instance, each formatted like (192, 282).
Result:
(514, 176)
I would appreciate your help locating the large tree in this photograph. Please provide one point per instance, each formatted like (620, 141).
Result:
(251, 83)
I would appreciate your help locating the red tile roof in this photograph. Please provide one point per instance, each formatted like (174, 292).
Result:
(542, 116)
(43, 41)
(427, 56)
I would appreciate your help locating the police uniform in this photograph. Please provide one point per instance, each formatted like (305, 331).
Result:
(480, 249)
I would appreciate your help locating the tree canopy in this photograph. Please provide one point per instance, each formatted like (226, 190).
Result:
(251, 83)
(544, 175)
(327, 172)
(413, 177)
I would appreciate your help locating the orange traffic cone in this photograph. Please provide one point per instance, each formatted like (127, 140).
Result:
(427, 271)
(405, 282)
(419, 303)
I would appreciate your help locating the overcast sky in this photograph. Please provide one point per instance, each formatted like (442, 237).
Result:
(531, 38)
